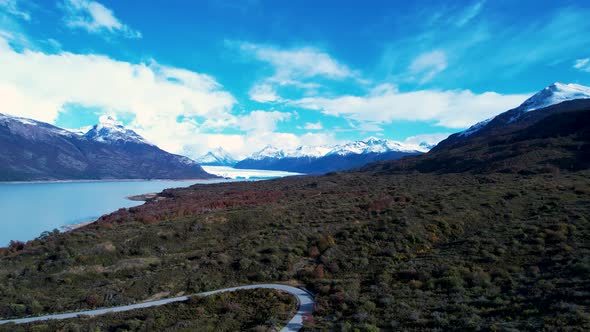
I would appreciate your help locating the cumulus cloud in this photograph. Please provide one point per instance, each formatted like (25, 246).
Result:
(583, 64)
(299, 63)
(95, 18)
(155, 94)
(295, 67)
(386, 104)
(262, 121)
(428, 65)
(12, 7)
(264, 93)
(177, 109)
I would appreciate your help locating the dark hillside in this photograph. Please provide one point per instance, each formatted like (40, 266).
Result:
(557, 142)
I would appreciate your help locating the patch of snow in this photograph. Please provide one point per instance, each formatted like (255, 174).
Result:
(475, 128)
(370, 145)
(555, 94)
(218, 156)
(30, 122)
(268, 151)
(110, 130)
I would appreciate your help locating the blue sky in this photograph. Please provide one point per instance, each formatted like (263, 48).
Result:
(241, 74)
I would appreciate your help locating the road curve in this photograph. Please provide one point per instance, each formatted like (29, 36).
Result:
(305, 301)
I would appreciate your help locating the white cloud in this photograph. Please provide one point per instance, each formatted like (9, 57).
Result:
(38, 85)
(427, 138)
(428, 65)
(262, 121)
(385, 104)
(299, 63)
(12, 7)
(296, 67)
(95, 18)
(313, 126)
(583, 64)
(264, 93)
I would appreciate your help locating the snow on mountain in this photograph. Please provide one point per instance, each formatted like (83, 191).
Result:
(374, 145)
(309, 151)
(11, 121)
(217, 157)
(553, 94)
(370, 145)
(269, 151)
(110, 130)
(475, 128)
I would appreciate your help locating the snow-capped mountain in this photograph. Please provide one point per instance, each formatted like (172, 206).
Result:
(321, 159)
(109, 130)
(370, 145)
(272, 152)
(375, 145)
(552, 95)
(556, 98)
(217, 157)
(269, 151)
(34, 150)
(555, 94)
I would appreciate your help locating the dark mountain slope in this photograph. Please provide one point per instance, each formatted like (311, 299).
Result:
(547, 140)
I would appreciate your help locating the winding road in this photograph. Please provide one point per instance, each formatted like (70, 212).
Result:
(305, 301)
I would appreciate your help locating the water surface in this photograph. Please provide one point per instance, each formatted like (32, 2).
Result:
(28, 209)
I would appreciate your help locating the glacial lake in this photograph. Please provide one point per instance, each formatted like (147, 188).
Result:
(28, 209)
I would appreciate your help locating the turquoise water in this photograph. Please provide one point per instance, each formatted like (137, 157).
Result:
(28, 209)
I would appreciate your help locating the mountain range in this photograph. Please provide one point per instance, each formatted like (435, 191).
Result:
(34, 150)
(37, 151)
(323, 159)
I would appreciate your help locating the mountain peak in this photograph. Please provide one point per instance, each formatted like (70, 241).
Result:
(109, 130)
(109, 121)
(551, 95)
(555, 94)
(217, 157)
(268, 151)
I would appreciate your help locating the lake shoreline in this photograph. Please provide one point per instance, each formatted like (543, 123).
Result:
(106, 180)
(142, 197)
(73, 227)
(71, 204)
